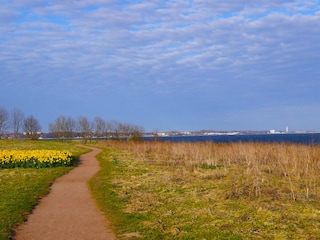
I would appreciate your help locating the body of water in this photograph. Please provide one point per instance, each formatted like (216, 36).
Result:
(300, 138)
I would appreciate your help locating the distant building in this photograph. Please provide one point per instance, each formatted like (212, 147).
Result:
(161, 134)
(272, 131)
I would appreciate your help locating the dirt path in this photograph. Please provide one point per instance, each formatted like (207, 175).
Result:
(68, 212)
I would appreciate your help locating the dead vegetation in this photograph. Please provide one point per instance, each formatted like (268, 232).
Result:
(253, 169)
(209, 191)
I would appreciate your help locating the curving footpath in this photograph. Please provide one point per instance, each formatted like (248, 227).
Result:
(68, 211)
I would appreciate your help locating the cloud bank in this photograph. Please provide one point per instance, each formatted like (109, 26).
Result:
(166, 64)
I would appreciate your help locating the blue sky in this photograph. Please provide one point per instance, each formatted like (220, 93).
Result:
(164, 65)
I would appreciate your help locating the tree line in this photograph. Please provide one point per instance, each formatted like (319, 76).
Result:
(66, 127)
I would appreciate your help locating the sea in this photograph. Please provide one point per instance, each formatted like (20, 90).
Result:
(297, 138)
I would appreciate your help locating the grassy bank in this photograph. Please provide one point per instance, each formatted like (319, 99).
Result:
(21, 188)
(210, 191)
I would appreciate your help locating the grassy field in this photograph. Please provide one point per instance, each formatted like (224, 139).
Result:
(185, 190)
(21, 189)
(210, 191)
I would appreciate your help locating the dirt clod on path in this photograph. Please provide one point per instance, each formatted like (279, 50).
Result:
(68, 211)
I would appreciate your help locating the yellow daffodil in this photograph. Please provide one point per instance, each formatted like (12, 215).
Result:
(34, 158)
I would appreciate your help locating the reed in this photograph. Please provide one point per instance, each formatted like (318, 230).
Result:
(271, 170)
(210, 191)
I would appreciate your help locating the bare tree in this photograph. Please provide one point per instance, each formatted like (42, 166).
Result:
(4, 121)
(63, 127)
(100, 126)
(136, 133)
(71, 125)
(85, 128)
(125, 131)
(17, 121)
(113, 128)
(31, 128)
(130, 131)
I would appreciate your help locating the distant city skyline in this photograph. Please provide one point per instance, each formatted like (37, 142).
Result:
(164, 65)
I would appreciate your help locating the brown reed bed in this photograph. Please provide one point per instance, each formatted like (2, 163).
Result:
(212, 191)
(254, 169)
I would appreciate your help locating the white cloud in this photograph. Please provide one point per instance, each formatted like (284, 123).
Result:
(164, 46)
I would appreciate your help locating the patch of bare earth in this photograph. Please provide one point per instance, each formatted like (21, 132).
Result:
(68, 212)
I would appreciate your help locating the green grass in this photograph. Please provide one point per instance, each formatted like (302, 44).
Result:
(163, 201)
(107, 198)
(136, 200)
(21, 188)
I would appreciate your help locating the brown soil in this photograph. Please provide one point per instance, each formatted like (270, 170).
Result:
(68, 211)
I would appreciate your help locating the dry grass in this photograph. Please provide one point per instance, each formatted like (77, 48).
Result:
(255, 169)
(206, 190)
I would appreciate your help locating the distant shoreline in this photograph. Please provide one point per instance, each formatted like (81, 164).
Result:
(299, 138)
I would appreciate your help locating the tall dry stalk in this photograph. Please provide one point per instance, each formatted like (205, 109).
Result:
(276, 170)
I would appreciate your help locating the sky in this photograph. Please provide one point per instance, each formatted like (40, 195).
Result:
(184, 65)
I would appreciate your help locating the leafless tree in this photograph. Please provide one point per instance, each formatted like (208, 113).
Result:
(63, 127)
(85, 128)
(70, 126)
(4, 121)
(31, 127)
(136, 133)
(17, 121)
(125, 131)
(113, 129)
(130, 131)
(100, 126)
